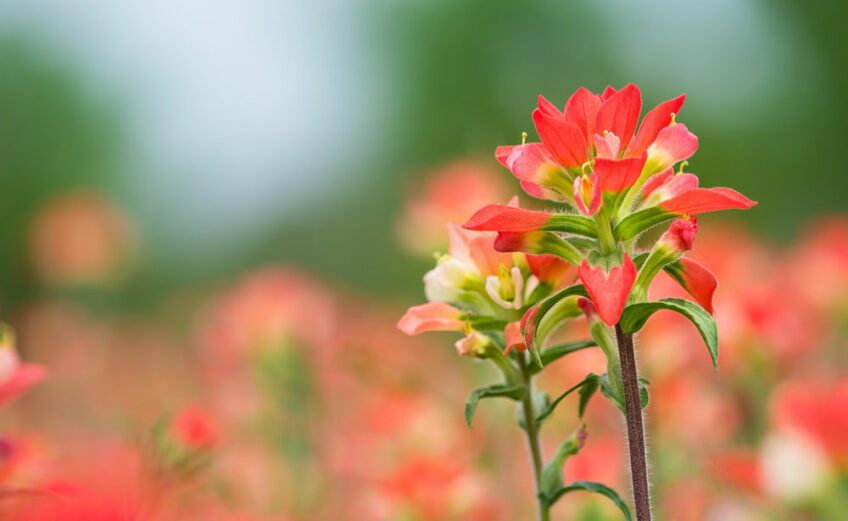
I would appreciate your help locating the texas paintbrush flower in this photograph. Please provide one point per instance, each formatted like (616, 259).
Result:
(612, 179)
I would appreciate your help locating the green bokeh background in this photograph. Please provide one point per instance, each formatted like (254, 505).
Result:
(766, 86)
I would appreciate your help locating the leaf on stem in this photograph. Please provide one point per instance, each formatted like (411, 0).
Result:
(590, 486)
(515, 392)
(635, 316)
(590, 384)
(555, 352)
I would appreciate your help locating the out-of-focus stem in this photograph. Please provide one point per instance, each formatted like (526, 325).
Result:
(532, 431)
(635, 428)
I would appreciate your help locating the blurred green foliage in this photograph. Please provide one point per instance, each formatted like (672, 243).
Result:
(463, 78)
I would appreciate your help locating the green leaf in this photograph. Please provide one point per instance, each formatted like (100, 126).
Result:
(590, 486)
(586, 392)
(590, 380)
(545, 306)
(516, 392)
(607, 390)
(555, 352)
(570, 223)
(638, 222)
(552, 473)
(634, 317)
(643, 392)
(580, 243)
(541, 400)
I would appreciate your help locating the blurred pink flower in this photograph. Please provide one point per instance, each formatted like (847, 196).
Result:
(449, 195)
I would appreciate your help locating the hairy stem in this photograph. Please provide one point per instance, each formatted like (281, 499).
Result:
(635, 428)
(532, 432)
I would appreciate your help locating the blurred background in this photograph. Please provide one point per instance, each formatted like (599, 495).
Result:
(157, 157)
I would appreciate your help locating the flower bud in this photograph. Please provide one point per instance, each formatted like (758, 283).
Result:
(676, 241)
(680, 235)
(475, 345)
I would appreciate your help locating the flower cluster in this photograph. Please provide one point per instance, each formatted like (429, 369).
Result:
(614, 181)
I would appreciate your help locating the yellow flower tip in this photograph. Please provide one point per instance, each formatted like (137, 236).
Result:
(683, 165)
(673, 122)
(523, 137)
(606, 132)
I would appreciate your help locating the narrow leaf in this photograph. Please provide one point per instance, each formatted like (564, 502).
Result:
(635, 316)
(543, 415)
(516, 392)
(545, 306)
(591, 486)
(555, 352)
(638, 222)
(570, 223)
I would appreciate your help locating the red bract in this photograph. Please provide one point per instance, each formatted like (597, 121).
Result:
(698, 281)
(616, 175)
(609, 291)
(702, 200)
(513, 338)
(503, 218)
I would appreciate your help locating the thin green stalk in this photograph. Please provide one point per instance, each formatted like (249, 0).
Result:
(532, 431)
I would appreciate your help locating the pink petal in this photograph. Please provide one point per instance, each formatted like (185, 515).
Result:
(673, 143)
(432, 316)
(620, 113)
(530, 162)
(654, 121)
(657, 180)
(607, 146)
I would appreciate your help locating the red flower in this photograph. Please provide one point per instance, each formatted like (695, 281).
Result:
(609, 291)
(593, 126)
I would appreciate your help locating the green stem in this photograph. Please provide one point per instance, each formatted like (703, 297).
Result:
(532, 432)
(605, 232)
